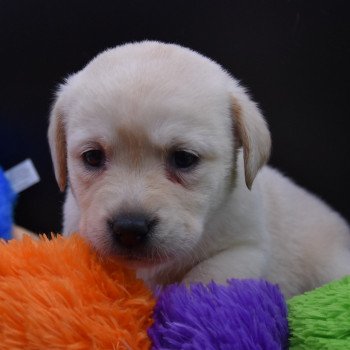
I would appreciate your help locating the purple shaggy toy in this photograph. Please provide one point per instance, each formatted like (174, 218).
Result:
(245, 314)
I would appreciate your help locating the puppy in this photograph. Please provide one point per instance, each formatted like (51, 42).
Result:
(160, 150)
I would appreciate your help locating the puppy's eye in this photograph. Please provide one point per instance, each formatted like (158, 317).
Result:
(183, 159)
(94, 158)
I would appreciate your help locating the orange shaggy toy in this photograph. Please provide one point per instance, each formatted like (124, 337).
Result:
(59, 294)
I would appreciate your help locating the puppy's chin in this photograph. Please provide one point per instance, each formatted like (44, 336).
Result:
(138, 257)
(138, 261)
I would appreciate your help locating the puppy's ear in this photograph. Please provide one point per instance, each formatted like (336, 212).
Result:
(252, 134)
(58, 146)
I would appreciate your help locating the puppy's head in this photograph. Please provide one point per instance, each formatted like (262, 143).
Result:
(146, 136)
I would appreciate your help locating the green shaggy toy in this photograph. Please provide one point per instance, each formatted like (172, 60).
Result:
(320, 319)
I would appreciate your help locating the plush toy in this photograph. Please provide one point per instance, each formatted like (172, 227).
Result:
(320, 319)
(60, 294)
(245, 314)
(7, 199)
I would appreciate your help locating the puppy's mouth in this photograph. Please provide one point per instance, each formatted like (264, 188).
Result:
(135, 261)
(140, 257)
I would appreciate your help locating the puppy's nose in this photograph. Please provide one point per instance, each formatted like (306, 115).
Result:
(131, 230)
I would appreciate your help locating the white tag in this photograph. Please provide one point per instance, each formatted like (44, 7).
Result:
(22, 176)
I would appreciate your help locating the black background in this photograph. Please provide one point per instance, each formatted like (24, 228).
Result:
(293, 56)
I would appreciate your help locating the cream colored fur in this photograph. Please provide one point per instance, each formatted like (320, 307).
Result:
(226, 219)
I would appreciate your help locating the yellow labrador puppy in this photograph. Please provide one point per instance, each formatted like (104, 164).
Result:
(162, 153)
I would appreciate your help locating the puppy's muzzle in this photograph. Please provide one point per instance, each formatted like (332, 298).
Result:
(132, 229)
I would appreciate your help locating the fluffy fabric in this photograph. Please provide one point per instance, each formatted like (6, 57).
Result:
(246, 314)
(320, 319)
(7, 198)
(59, 294)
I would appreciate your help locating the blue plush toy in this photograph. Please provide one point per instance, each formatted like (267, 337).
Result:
(7, 199)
